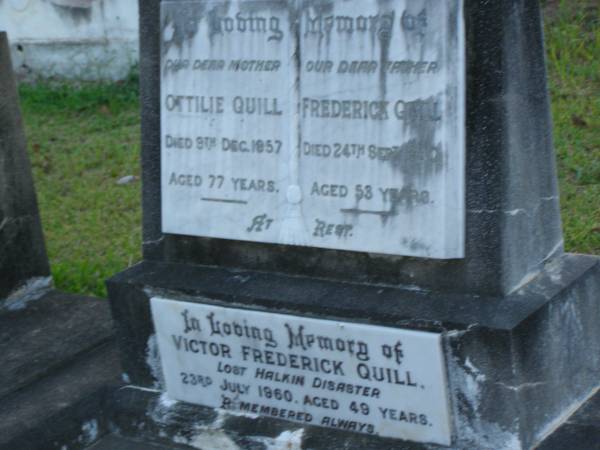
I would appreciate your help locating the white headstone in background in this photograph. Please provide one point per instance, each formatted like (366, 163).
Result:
(367, 379)
(337, 127)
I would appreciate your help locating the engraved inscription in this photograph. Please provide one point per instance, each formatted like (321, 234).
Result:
(340, 127)
(365, 379)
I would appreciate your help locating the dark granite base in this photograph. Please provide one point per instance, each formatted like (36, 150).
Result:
(530, 358)
(517, 365)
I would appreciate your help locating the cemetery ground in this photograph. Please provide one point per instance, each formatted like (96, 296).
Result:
(84, 148)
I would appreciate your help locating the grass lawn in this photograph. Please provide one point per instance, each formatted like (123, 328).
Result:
(82, 140)
(573, 49)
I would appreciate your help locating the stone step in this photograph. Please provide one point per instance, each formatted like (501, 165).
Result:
(67, 408)
(44, 335)
(59, 363)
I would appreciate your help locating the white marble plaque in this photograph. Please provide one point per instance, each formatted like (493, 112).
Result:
(336, 127)
(360, 378)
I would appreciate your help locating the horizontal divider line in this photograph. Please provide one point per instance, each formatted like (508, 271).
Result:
(224, 200)
(365, 211)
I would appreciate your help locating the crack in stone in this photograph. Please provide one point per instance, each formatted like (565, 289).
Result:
(155, 241)
(455, 334)
(521, 386)
(516, 211)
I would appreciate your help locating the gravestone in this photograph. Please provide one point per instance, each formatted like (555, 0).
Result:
(351, 230)
(23, 262)
(57, 357)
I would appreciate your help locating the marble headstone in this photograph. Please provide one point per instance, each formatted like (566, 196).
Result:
(367, 379)
(340, 127)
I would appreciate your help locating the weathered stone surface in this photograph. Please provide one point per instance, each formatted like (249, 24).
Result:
(334, 125)
(581, 430)
(47, 335)
(23, 260)
(524, 356)
(113, 442)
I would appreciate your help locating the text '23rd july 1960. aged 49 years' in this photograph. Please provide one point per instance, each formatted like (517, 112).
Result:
(361, 378)
(332, 124)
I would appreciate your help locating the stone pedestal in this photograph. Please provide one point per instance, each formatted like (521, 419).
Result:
(517, 365)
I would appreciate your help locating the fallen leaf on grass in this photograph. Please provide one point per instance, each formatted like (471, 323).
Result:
(578, 121)
(127, 180)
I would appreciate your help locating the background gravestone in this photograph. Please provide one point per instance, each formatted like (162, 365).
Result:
(56, 357)
(482, 299)
(23, 260)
